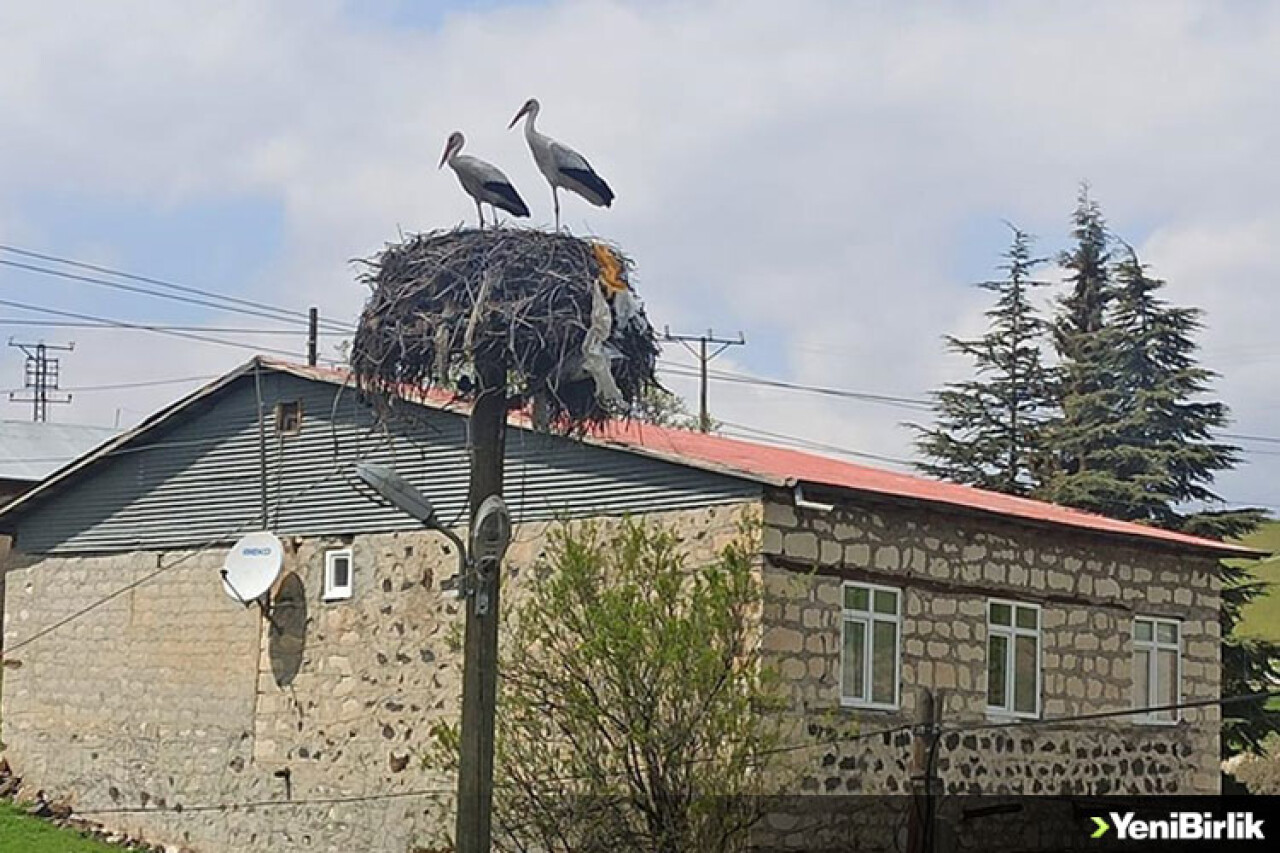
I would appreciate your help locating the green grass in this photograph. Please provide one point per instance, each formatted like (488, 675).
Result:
(21, 833)
(1261, 618)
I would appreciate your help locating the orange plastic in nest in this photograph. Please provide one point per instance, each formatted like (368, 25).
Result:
(610, 269)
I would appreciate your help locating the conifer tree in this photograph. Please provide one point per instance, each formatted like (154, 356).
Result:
(1086, 377)
(986, 430)
(1170, 457)
(1131, 433)
(1136, 437)
(1165, 427)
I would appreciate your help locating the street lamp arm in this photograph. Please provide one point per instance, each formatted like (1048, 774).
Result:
(463, 559)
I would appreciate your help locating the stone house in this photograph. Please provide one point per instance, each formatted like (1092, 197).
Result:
(138, 690)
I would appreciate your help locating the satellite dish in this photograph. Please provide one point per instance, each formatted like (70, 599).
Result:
(252, 566)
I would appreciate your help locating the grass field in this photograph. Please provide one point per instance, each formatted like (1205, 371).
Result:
(21, 833)
(1262, 617)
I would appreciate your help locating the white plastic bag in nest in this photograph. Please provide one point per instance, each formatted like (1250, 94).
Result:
(595, 359)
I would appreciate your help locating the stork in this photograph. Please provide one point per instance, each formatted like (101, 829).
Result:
(484, 182)
(560, 164)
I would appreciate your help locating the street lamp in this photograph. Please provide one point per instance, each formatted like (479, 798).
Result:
(490, 532)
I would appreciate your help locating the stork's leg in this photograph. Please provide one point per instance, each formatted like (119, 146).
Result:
(555, 198)
(480, 214)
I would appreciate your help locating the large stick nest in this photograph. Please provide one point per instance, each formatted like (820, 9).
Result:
(445, 301)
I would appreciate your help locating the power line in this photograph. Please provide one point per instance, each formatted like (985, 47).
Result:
(760, 381)
(259, 804)
(1122, 712)
(1268, 439)
(121, 386)
(796, 441)
(159, 282)
(188, 555)
(124, 386)
(905, 402)
(237, 330)
(142, 327)
(443, 792)
(129, 288)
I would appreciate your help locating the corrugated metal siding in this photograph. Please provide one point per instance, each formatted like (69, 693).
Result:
(199, 482)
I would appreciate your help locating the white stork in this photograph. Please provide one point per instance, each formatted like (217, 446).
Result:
(484, 182)
(560, 164)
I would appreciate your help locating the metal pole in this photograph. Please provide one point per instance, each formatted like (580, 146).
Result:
(40, 376)
(486, 439)
(42, 382)
(262, 440)
(313, 326)
(704, 414)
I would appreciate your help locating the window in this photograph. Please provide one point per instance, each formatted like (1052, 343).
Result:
(337, 575)
(869, 654)
(1013, 658)
(289, 417)
(1156, 653)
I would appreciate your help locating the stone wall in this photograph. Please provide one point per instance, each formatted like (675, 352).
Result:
(947, 566)
(170, 696)
(154, 710)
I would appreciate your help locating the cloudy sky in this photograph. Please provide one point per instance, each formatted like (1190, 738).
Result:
(829, 178)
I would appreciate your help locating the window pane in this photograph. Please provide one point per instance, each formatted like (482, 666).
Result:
(1142, 630)
(884, 651)
(341, 571)
(1026, 674)
(997, 687)
(1167, 632)
(886, 602)
(855, 597)
(1142, 679)
(1027, 617)
(855, 636)
(1001, 614)
(1166, 677)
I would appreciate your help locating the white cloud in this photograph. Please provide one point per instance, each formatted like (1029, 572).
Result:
(803, 171)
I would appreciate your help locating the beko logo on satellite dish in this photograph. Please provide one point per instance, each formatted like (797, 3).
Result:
(1182, 826)
(256, 552)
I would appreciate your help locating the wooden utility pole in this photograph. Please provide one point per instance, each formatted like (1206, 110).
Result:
(924, 787)
(486, 443)
(704, 412)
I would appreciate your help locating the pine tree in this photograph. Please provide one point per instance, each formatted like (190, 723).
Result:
(1164, 426)
(1132, 436)
(1086, 379)
(986, 431)
(1139, 438)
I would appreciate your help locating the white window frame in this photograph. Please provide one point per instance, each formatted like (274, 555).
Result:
(868, 618)
(1154, 646)
(1012, 632)
(332, 591)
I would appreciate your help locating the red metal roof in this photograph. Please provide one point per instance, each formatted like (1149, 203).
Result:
(784, 467)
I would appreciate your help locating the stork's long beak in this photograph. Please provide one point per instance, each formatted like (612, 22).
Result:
(444, 158)
(519, 116)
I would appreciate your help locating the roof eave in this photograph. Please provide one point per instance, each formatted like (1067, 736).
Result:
(1222, 550)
